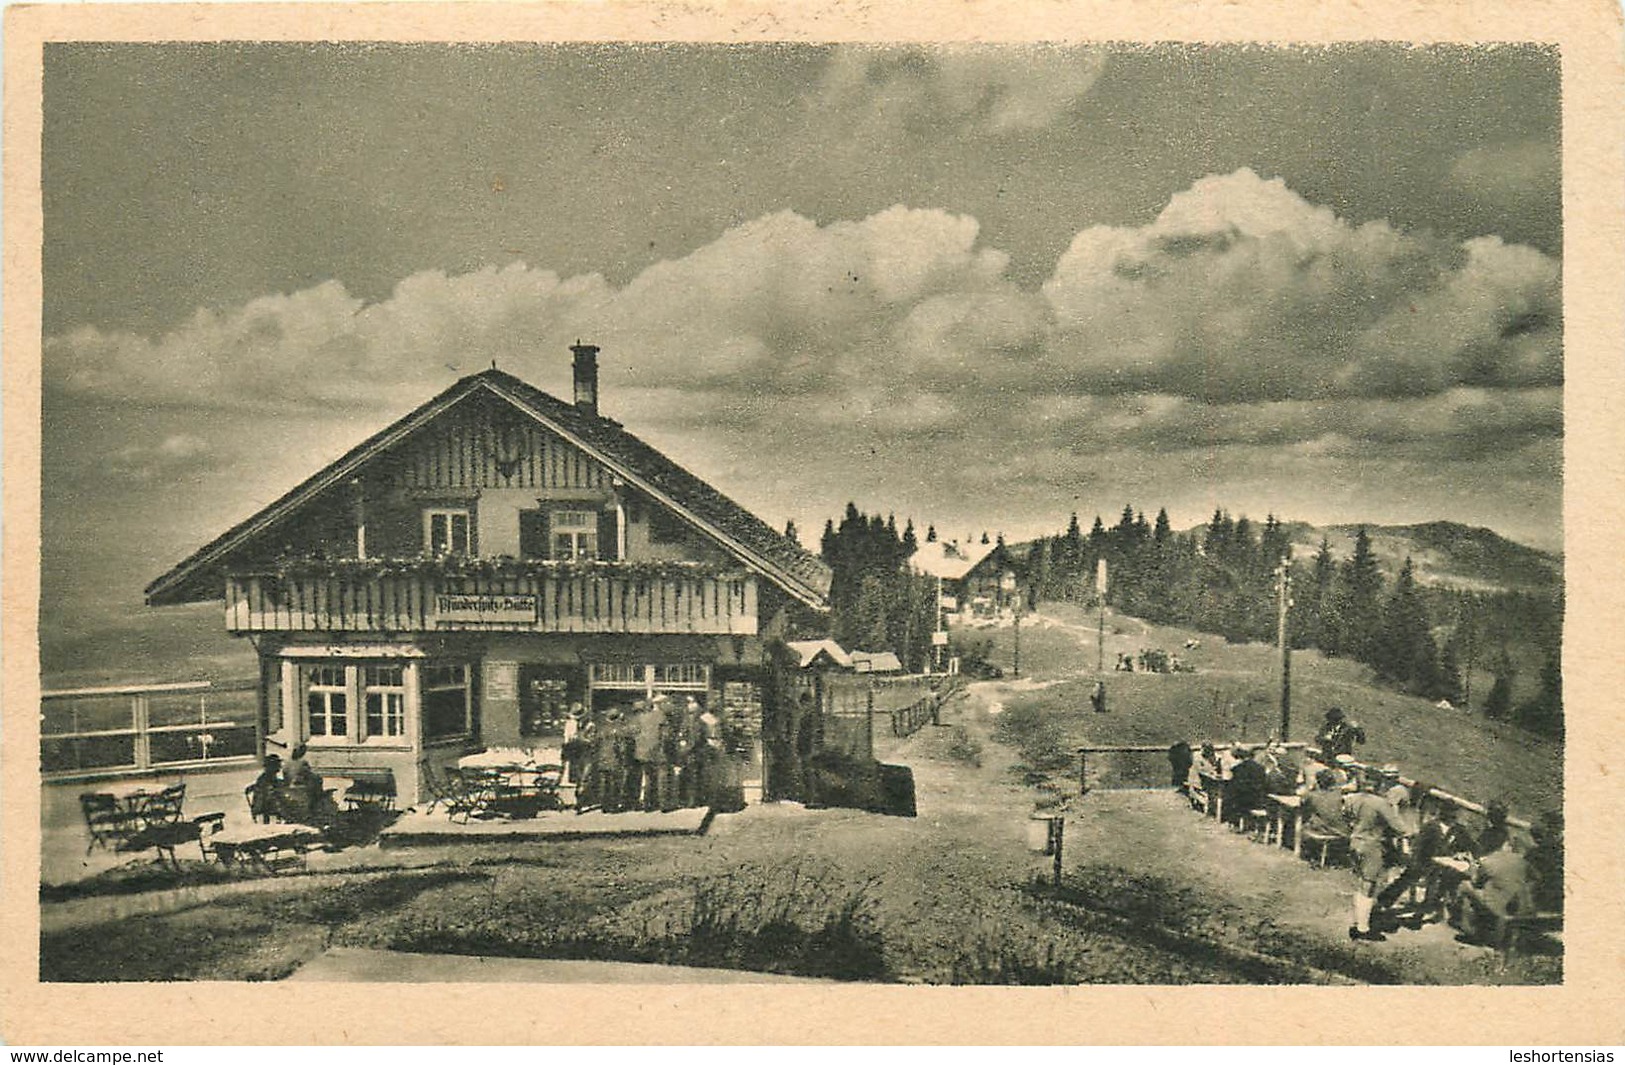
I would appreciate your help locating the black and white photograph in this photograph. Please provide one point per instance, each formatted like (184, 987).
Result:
(1040, 513)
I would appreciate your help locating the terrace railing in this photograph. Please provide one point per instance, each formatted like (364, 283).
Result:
(134, 728)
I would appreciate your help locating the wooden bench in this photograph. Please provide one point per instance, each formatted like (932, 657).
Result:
(1514, 928)
(263, 846)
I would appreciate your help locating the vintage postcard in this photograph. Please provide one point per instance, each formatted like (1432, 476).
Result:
(809, 518)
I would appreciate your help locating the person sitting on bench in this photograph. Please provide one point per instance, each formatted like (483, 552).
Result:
(1498, 887)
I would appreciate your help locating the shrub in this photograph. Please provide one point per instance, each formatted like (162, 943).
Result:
(963, 747)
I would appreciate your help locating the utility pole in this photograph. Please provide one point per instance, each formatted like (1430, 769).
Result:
(1100, 628)
(939, 646)
(1283, 598)
(1015, 670)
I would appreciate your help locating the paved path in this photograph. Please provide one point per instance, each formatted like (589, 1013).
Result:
(350, 964)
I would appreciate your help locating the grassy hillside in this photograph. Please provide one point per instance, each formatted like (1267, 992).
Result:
(1235, 694)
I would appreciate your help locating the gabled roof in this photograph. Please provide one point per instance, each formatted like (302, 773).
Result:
(876, 662)
(809, 650)
(740, 533)
(950, 561)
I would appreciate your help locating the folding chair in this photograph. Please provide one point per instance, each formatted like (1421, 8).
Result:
(110, 823)
(163, 828)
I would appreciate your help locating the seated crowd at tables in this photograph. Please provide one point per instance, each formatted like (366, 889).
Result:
(1393, 833)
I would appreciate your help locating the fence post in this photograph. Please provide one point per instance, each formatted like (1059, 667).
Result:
(140, 718)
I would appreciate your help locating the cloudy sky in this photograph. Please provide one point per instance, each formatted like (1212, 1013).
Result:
(982, 287)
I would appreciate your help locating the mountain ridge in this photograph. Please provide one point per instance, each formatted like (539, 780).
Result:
(1470, 557)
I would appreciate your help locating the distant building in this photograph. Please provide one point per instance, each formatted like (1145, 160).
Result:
(465, 576)
(977, 579)
(876, 662)
(815, 654)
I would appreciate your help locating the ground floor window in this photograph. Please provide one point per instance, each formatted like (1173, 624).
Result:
(614, 683)
(327, 702)
(447, 701)
(547, 696)
(385, 700)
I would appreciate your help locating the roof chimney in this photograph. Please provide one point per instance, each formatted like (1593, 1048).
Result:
(586, 376)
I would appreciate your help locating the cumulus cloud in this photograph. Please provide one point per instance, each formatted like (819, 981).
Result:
(1241, 289)
(1241, 318)
(977, 88)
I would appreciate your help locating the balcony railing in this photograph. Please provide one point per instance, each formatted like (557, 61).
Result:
(598, 598)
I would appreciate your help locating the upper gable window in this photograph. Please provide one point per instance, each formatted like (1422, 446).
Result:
(575, 534)
(448, 531)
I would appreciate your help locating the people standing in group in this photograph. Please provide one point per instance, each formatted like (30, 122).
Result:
(1374, 827)
(648, 756)
(677, 743)
(585, 770)
(570, 748)
(611, 762)
(1337, 734)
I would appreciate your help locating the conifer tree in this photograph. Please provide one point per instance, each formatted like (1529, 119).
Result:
(1405, 652)
(1544, 712)
(1359, 604)
(1498, 704)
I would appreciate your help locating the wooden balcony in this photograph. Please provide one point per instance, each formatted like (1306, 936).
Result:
(602, 600)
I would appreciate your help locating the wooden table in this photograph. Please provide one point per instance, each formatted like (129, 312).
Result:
(257, 843)
(1279, 805)
(519, 774)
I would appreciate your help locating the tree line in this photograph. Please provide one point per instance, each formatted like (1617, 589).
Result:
(877, 602)
(1223, 578)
